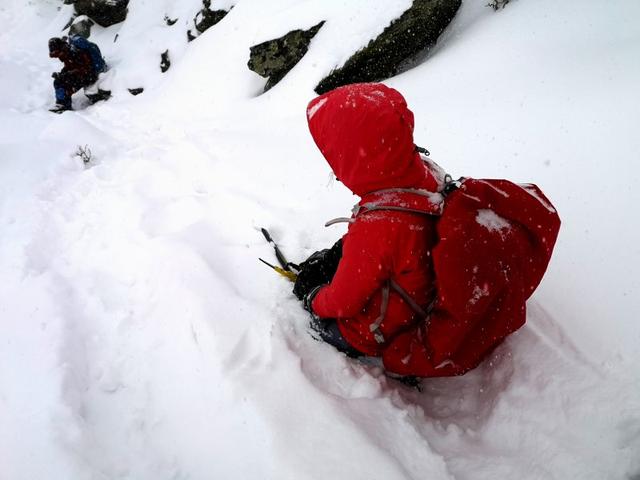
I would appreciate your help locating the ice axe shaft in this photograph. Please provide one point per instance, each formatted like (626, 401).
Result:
(279, 255)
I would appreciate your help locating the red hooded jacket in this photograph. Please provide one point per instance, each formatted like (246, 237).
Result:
(365, 131)
(489, 249)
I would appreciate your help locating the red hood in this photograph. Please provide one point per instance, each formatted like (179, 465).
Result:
(365, 132)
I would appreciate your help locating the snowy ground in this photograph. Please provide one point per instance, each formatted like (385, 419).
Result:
(140, 338)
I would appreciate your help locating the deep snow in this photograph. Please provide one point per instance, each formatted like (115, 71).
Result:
(140, 338)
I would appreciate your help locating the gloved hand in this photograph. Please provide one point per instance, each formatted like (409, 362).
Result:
(308, 299)
(317, 270)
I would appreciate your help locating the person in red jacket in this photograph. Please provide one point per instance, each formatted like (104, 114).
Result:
(78, 72)
(431, 287)
(365, 132)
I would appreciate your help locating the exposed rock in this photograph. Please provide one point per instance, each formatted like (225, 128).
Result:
(207, 18)
(170, 21)
(99, 96)
(136, 91)
(104, 12)
(412, 33)
(165, 62)
(81, 26)
(274, 58)
(497, 4)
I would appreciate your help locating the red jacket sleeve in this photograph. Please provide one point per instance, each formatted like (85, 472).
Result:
(362, 270)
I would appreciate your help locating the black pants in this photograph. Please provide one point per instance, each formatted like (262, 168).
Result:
(328, 331)
(67, 83)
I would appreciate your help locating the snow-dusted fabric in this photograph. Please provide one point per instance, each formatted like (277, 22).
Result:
(77, 62)
(476, 264)
(365, 132)
(495, 242)
(78, 71)
(379, 246)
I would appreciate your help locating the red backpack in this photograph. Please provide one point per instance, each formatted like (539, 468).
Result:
(495, 242)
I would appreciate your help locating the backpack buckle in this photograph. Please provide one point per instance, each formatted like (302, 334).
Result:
(451, 185)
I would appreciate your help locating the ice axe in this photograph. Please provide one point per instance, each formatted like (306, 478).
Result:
(288, 274)
(286, 269)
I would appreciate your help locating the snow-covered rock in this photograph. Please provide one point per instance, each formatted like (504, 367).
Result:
(406, 38)
(273, 59)
(103, 12)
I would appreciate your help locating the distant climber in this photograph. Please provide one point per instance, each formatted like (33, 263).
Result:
(83, 63)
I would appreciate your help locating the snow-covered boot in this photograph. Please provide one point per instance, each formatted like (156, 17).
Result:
(98, 96)
(61, 107)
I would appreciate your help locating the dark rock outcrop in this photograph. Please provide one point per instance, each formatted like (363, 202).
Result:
(411, 34)
(207, 18)
(99, 96)
(497, 4)
(165, 61)
(274, 58)
(104, 12)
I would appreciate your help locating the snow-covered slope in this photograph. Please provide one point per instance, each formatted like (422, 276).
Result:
(140, 338)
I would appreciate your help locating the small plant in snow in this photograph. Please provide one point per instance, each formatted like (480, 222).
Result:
(84, 153)
(497, 4)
